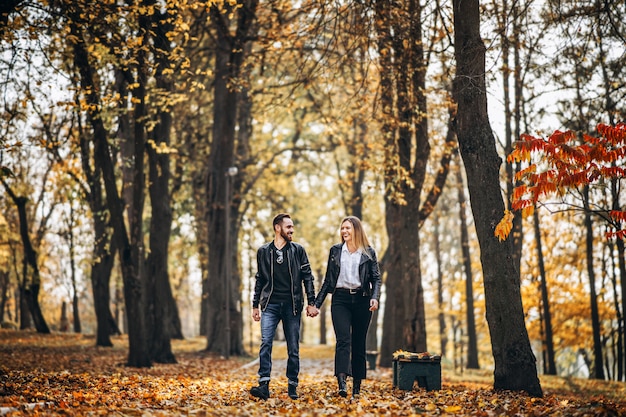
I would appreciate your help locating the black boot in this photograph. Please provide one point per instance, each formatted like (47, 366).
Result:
(356, 387)
(292, 391)
(341, 381)
(261, 391)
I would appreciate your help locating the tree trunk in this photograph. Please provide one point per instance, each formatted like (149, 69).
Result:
(26, 322)
(550, 368)
(441, 316)
(162, 310)
(134, 290)
(406, 154)
(223, 328)
(31, 280)
(222, 157)
(104, 247)
(32, 300)
(100, 278)
(4, 292)
(202, 232)
(75, 308)
(76, 313)
(104, 250)
(352, 190)
(515, 363)
(621, 316)
(510, 169)
(470, 318)
(64, 323)
(616, 205)
(598, 366)
(104, 257)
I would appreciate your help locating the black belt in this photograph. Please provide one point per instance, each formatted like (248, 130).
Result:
(350, 291)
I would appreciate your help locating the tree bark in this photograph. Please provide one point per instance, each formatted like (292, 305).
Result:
(470, 318)
(162, 310)
(105, 246)
(441, 316)
(515, 363)
(510, 169)
(621, 316)
(407, 153)
(597, 371)
(230, 53)
(548, 343)
(75, 305)
(104, 249)
(31, 281)
(134, 290)
(4, 293)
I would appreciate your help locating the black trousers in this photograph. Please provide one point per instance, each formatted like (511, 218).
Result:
(351, 319)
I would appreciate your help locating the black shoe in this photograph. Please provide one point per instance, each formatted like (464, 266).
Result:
(262, 391)
(341, 381)
(291, 390)
(356, 388)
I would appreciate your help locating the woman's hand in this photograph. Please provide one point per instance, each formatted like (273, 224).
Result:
(373, 305)
(312, 311)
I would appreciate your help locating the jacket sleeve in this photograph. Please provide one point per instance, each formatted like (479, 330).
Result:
(260, 280)
(375, 275)
(307, 277)
(326, 286)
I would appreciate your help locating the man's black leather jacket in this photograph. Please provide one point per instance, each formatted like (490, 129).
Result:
(369, 273)
(299, 271)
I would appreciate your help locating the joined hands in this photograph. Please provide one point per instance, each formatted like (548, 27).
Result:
(312, 311)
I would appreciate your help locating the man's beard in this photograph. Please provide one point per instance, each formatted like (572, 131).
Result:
(286, 236)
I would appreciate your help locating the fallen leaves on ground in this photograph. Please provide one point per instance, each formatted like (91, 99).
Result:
(65, 374)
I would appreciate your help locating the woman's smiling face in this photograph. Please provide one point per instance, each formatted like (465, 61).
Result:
(346, 231)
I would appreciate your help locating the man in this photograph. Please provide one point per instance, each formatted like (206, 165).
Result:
(283, 267)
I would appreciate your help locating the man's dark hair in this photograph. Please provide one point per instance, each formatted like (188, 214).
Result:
(279, 219)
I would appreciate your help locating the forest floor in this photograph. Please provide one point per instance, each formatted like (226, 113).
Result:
(67, 375)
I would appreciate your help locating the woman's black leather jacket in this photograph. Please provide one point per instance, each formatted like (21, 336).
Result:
(369, 273)
(299, 271)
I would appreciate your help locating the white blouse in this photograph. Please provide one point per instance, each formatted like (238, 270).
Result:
(349, 272)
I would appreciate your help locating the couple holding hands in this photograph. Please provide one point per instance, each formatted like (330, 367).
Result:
(353, 279)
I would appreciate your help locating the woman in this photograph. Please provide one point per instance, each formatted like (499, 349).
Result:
(353, 277)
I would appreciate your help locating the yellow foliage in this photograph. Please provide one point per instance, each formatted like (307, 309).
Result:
(504, 227)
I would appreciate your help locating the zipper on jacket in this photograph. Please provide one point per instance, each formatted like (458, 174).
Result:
(293, 298)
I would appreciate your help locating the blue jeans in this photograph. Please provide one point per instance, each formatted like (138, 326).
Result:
(274, 313)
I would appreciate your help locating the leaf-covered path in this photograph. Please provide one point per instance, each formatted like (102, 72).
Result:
(66, 375)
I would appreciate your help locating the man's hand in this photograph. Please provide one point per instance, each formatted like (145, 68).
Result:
(312, 311)
(373, 305)
(256, 314)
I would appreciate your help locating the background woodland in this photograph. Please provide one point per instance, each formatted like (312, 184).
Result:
(121, 211)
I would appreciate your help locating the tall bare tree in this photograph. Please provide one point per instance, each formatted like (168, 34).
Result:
(162, 310)
(234, 27)
(549, 367)
(470, 318)
(407, 151)
(31, 278)
(515, 363)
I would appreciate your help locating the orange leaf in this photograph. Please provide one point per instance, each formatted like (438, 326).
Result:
(503, 229)
(528, 210)
(618, 215)
(619, 234)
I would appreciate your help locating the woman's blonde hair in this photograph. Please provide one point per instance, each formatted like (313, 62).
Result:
(360, 237)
